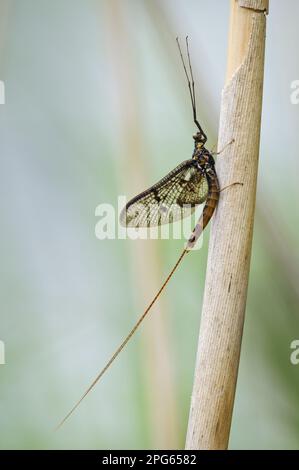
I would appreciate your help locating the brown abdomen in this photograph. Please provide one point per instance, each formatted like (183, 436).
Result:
(208, 210)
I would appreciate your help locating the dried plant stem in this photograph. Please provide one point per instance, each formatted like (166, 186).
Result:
(231, 234)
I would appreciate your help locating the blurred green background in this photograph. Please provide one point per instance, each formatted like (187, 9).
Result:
(97, 106)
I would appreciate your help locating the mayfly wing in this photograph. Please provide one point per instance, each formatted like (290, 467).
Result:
(174, 197)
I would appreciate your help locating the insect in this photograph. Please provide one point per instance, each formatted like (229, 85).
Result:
(178, 194)
(175, 196)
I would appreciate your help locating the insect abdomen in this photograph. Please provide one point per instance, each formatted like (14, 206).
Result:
(208, 210)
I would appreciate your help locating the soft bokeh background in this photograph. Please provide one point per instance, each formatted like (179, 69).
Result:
(97, 106)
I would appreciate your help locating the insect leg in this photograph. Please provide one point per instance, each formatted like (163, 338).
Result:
(229, 185)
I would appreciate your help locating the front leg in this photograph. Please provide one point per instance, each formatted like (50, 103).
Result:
(222, 150)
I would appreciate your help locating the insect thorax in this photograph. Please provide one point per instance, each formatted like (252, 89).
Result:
(203, 156)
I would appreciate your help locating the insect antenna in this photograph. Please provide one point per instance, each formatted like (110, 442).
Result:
(125, 341)
(190, 81)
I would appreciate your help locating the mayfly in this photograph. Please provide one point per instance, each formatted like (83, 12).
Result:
(175, 196)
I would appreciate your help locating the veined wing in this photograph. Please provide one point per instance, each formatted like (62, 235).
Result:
(175, 196)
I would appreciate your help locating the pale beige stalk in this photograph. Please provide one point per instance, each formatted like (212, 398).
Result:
(231, 233)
